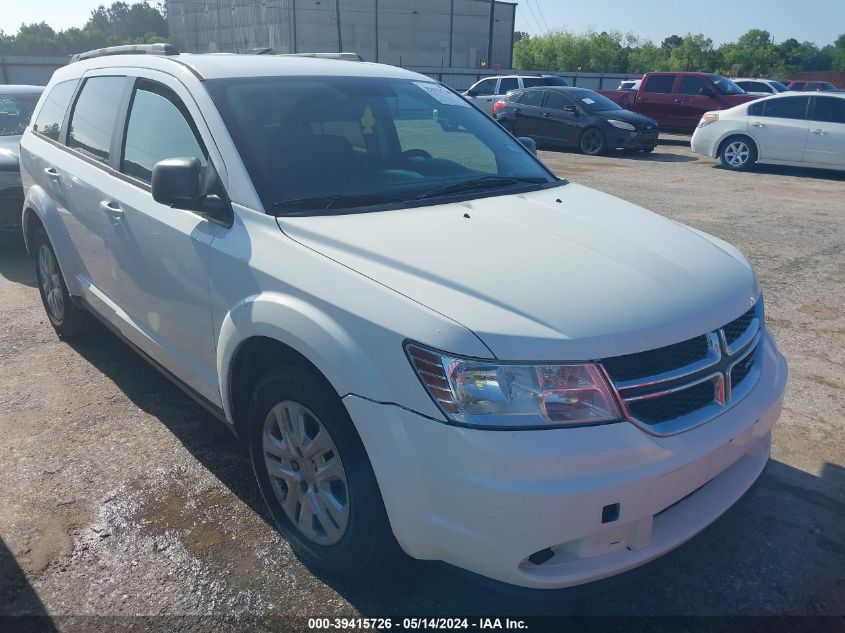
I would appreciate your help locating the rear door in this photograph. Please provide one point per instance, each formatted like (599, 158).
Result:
(558, 124)
(161, 280)
(826, 141)
(780, 127)
(656, 100)
(529, 114)
(80, 171)
(691, 105)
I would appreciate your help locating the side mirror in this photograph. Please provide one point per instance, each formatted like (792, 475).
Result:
(571, 108)
(176, 182)
(529, 144)
(707, 92)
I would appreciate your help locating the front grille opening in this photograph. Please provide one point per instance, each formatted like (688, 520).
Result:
(737, 327)
(673, 405)
(656, 361)
(743, 368)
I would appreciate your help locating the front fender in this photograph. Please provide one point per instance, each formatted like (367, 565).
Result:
(305, 328)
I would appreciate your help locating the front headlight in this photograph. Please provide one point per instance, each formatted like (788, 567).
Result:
(707, 119)
(622, 125)
(503, 395)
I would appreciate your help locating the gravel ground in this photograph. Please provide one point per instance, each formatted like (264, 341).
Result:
(121, 496)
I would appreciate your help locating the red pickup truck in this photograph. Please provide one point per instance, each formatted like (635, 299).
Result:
(677, 100)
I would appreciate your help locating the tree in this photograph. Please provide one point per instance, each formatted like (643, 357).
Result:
(671, 43)
(520, 35)
(753, 52)
(647, 57)
(695, 53)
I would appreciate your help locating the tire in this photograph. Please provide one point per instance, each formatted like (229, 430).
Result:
(738, 153)
(648, 150)
(593, 142)
(356, 537)
(67, 319)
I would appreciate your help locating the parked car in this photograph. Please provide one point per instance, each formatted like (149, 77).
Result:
(16, 105)
(762, 87)
(575, 117)
(423, 335)
(821, 86)
(677, 100)
(488, 91)
(797, 86)
(789, 129)
(633, 84)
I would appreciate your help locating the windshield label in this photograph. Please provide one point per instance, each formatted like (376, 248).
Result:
(443, 95)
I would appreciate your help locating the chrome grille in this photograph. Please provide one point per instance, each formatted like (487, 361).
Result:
(678, 387)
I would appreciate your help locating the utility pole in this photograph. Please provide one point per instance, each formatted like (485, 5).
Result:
(293, 23)
(339, 38)
(376, 15)
(490, 35)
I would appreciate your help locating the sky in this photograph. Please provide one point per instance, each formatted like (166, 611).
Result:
(819, 21)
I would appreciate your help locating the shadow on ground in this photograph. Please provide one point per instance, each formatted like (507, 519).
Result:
(794, 172)
(15, 264)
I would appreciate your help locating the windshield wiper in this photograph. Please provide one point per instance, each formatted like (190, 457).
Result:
(314, 204)
(478, 184)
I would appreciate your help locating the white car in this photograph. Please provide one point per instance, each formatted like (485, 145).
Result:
(804, 130)
(427, 340)
(487, 92)
(763, 87)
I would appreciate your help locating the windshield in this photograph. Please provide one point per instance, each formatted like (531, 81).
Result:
(593, 101)
(726, 86)
(312, 144)
(15, 111)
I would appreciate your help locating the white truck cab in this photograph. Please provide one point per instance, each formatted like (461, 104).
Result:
(428, 341)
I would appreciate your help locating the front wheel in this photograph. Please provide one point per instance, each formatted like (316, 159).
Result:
(315, 475)
(738, 153)
(593, 142)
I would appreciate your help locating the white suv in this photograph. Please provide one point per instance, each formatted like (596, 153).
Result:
(488, 91)
(424, 337)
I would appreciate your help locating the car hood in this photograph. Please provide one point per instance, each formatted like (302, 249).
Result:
(638, 120)
(566, 273)
(9, 152)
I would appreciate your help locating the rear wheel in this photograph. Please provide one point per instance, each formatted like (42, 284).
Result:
(66, 318)
(315, 475)
(593, 142)
(738, 153)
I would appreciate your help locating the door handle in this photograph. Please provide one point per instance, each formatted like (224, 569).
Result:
(758, 124)
(818, 131)
(112, 209)
(546, 115)
(52, 173)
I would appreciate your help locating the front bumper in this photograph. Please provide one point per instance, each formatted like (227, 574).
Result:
(637, 139)
(487, 500)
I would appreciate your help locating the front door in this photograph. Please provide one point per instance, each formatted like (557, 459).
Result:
(656, 100)
(781, 131)
(161, 281)
(561, 125)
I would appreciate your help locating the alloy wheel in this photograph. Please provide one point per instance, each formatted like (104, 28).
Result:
(51, 282)
(737, 153)
(306, 472)
(591, 142)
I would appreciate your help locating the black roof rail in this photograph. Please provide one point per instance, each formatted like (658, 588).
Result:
(128, 49)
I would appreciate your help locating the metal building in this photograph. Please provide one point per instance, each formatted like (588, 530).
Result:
(447, 33)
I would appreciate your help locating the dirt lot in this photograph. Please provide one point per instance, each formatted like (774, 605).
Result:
(121, 496)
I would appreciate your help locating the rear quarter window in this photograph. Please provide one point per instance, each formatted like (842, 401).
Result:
(52, 113)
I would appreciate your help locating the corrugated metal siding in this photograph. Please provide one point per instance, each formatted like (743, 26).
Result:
(410, 33)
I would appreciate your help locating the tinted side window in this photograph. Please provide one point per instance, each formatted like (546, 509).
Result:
(532, 98)
(533, 82)
(661, 84)
(556, 101)
(829, 110)
(52, 113)
(94, 115)
(157, 129)
(756, 109)
(508, 84)
(787, 108)
(486, 87)
(692, 85)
